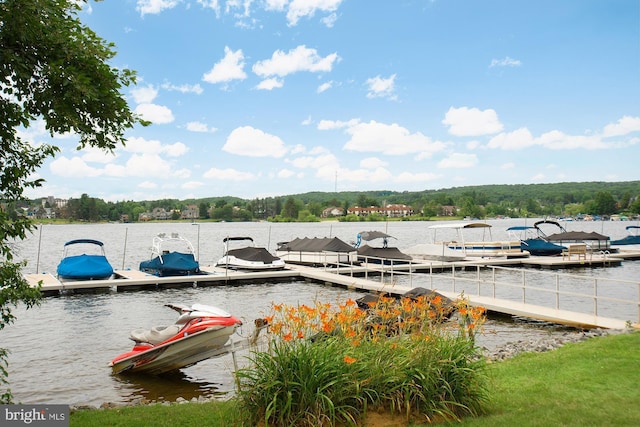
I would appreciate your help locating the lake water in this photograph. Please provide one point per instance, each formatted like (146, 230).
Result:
(60, 351)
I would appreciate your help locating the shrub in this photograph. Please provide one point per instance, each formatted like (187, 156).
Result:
(327, 365)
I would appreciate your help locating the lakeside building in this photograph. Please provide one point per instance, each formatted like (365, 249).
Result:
(391, 211)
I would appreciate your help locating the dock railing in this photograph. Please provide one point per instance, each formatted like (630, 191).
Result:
(580, 293)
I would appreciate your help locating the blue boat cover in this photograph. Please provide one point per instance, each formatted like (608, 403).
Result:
(540, 247)
(171, 264)
(85, 267)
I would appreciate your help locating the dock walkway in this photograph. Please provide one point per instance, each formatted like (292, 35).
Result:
(350, 277)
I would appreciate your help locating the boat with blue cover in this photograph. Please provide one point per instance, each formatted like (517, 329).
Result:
(171, 255)
(533, 240)
(633, 238)
(84, 259)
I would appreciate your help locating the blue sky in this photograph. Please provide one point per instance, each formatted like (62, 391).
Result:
(261, 98)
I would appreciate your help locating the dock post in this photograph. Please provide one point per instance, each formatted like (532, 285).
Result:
(39, 243)
(595, 296)
(557, 291)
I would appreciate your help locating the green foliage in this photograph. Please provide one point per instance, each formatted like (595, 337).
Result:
(328, 368)
(534, 200)
(306, 216)
(219, 413)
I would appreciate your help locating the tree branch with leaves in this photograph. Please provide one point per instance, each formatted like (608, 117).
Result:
(56, 70)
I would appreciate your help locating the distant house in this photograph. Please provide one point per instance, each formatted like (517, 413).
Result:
(391, 211)
(190, 212)
(447, 210)
(332, 211)
(145, 216)
(160, 214)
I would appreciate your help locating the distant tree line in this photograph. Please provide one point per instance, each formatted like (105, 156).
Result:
(534, 200)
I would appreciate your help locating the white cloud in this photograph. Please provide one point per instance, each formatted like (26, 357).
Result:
(197, 89)
(146, 160)
(74, 167)
(228, 175)
(192, 185)
(307, 8)
(416, 177)
(623, 126)
(175, 150)
(372, 163)
(96, 155)
(285, 173)
(458, 160)
(506, 62)
(269, 84)
(297, 149)
(144, 95)
(182, 173)
(299, 59)
(329, 20)
(229, 68)
(252, 142)
(157, 114)
(142, 165)
(277, 5)
(472, 122)
(516, 140)
(508, 165)
(356, 175)
(324, 86)
(148, 185)
(153, 146)
(155, 6)
(556, 140)
(199, 127)
(211, 4)
(337, 124)
(381, 88)
(389, 139)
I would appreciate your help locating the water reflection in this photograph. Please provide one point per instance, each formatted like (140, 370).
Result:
(167, 387)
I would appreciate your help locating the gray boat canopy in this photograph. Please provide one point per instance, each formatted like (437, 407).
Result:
(372, 235)
(316, 244)
(576, 235)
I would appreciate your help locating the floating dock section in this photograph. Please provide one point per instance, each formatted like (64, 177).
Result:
(350, 277)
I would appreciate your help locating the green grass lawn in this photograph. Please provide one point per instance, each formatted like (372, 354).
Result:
(592, 383)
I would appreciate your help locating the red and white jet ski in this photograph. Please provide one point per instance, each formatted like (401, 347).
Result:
(200, 333)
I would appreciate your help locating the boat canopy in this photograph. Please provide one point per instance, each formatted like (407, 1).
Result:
(372, 235)
(252, 254)
(462, 225)
(521, 228)
(90, 241)
(577, 235)
(236, 238)
(316, 244)
(388, 253)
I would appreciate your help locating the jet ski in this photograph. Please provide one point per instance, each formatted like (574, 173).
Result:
(201, 332)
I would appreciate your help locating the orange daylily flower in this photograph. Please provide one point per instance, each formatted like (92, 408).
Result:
(349, 360)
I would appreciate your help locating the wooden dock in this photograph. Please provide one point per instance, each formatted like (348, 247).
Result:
(349, 277)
